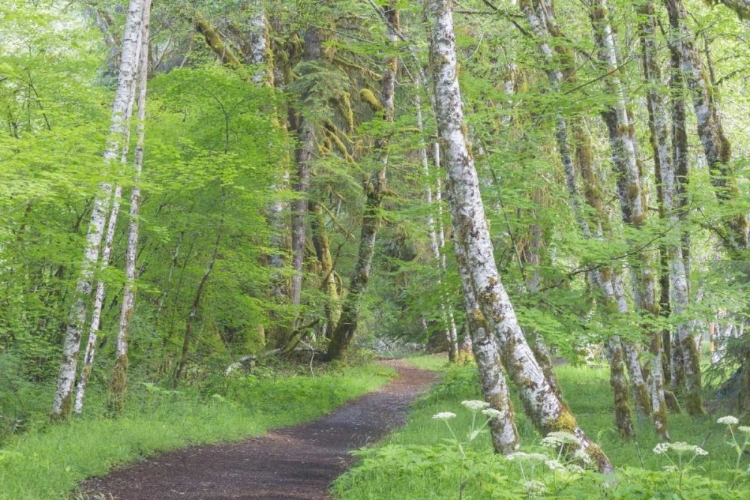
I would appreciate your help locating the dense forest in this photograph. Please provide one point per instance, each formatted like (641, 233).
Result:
(195, 190)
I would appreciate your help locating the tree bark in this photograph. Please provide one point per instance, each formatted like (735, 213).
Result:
(544, 26)
(471, 233)
(437, 236)
(120, 370)
(304, 155)
(62, 403)
(659, 135)
(327, 273)
(716, 146)
(96, 313)
(717, 151)
(632, 201)
(375, 189)
(505, 439)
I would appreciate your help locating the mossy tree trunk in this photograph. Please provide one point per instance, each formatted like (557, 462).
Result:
(471, 233)
(544, 26)
(375, 189)
(717, 150)
(505, 439)
(327, 273)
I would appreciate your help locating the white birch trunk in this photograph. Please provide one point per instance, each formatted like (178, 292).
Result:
(88, 357)
(119, 372)
(505, 439)
(62, 402)
(544, 407)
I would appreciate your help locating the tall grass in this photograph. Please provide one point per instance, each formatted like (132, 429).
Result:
(49, 462)
(420, 460)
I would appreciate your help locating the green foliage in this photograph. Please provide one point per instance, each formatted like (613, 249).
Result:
(48, 463)
(418, 462)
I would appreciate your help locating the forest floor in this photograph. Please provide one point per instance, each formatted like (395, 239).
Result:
(293, 463)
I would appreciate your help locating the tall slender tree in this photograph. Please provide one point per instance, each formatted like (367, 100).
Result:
(471, 234)
(62, 403)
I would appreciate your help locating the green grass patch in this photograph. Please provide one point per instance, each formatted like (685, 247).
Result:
(48, 463)
(432, 362)
(422, 460)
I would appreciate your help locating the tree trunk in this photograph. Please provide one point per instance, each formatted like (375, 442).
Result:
(96, 313)
(375, 189)
(546, 410)
(62, 403)
(437, 239)
(716, 146)
(505, 439)
(305, 155)
(120, 370)
(543, 26)
(659, 135)
(632, 199)
(196, 305)
(327, 273)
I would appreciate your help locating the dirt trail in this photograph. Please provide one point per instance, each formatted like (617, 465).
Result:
(294, 463)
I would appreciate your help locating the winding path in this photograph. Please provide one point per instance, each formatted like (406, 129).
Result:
(294, 463)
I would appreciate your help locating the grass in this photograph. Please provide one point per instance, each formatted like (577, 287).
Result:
(421, 460)
(432, 362)
(48, 463)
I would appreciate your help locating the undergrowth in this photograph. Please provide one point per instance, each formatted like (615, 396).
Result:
(424, 461)
(48, 461)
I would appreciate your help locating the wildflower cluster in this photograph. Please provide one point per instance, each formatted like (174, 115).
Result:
(679, 447)
(739, 449)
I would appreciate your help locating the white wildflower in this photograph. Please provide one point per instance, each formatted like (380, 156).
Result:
(492, 413)
(554, 465)
(728, 420)
(744, 428)
(519, 455)
(475, 405)
(681, 447)
(670, 468)
(535, 487)
(445, 415)
(661, 448)
(575, 469)
(555, 439)
(582, 456)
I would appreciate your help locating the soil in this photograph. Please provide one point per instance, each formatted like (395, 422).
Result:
(297, 462)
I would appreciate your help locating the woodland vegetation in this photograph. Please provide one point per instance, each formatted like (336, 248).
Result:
(199, 196)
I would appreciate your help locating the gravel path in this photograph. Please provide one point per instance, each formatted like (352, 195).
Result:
(297, 462)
